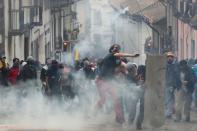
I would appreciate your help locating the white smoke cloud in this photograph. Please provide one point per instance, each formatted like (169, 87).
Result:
(26, 107)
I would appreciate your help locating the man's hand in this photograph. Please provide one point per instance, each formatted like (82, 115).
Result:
(136, 55)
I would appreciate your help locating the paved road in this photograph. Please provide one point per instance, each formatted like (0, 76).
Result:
(101, 123)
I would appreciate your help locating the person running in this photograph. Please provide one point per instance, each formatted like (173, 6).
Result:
(105, 78)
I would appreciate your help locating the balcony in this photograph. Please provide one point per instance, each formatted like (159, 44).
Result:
(36, 16)
(186, 11)
(16, 26)
(32, 15)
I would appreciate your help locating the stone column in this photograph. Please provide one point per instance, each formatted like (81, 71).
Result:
(154, 93)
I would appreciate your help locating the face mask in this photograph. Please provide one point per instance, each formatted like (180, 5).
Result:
(170, 61)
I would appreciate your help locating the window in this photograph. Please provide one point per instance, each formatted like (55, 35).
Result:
(193, 49)
(15, 21)
(36, 14)
(27, 16)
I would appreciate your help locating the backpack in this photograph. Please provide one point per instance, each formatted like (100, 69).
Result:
(29, 72)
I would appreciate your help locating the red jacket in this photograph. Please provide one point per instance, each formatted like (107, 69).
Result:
(13, 74)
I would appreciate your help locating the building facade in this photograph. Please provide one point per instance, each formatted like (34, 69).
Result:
(21, 17)
(186, 14)
(36, 27)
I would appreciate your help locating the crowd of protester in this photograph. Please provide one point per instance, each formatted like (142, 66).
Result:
(111, 75)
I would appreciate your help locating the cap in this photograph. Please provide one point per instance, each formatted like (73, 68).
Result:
(170, 54)
(30, 58)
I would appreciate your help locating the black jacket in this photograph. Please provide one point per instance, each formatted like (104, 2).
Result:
(189, 77)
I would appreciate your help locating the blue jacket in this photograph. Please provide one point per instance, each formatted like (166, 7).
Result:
(195, 70)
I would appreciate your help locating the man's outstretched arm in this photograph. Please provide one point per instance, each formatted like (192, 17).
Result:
(126, 55)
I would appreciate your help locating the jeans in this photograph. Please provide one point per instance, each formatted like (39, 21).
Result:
(107, 87)
(169, 101)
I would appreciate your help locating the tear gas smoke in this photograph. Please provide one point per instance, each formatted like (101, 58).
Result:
(25, 105)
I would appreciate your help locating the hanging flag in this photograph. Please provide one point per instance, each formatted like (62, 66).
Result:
(76, 55)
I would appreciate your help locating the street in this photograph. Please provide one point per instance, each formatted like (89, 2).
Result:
(102, 123)
(37, 114)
